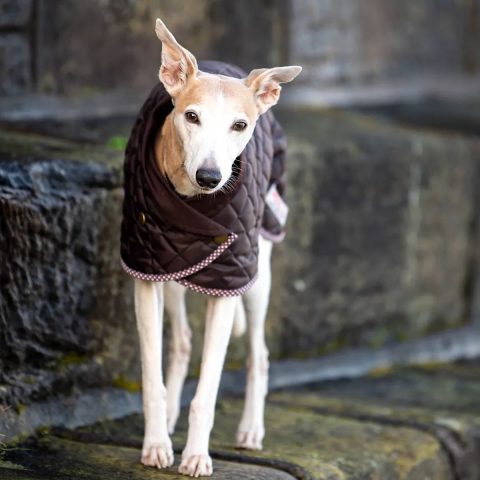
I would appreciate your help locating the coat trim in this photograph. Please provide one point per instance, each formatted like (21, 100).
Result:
(219, 292)
(165, 277)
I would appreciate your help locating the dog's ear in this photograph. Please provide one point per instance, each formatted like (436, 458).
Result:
(265, 83)
(178, 64)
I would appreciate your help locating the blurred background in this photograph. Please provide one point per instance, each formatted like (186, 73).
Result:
(382, 247)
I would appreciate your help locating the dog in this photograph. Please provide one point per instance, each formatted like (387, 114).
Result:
(209, 120)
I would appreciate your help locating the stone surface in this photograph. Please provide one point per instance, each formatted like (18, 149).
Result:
(439, 399)
(237, 26)
(302, 442)
(420, 423)
(363, 43)
(93, 46)
(370, 207)
(15, 74)
(81, 47)
(58, 459)
(373, 209)
(64, 309)
(15, 13)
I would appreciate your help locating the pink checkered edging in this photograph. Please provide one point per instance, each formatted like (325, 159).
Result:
(218, 292)
(178, 276)
(165, 277)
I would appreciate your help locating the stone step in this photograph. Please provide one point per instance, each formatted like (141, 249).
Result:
(57, 459)
(439, 399)
(301, 441)
(414, 423)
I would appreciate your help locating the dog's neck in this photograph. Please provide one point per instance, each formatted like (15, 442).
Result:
(169, 158)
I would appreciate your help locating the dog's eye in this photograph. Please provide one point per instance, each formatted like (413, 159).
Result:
(192, 117)
(239, 126)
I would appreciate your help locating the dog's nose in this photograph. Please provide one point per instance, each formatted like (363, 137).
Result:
(208, 177)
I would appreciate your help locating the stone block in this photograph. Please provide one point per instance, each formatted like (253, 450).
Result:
(441, 399)
(378, 242)
(360, 43)
(378, 248)
(15, 75)
(92, 46)
(301, 441)
(65, 311)
(15, 13)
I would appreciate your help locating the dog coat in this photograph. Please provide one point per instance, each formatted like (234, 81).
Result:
(209, 243)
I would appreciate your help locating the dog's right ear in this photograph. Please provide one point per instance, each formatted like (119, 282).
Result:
(178, 64)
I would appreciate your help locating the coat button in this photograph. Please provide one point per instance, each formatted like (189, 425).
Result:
(142, 218)
(219, 239)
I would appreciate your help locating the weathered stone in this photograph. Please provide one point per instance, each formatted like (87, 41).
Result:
(58, 459)
(15, 76)
(369, 204)
(90, 46)
(374, 208)
(439, 399)
(236, 26)
(363, 44)
(306, 442)
(65, 311)
(442, 115)
(15, 13)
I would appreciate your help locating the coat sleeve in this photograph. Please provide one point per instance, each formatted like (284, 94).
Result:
(271, 227)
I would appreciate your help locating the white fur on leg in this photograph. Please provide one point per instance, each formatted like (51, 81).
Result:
(239, 320)
(180, 348)
(251, 430)
(195, 458)
(157, 446)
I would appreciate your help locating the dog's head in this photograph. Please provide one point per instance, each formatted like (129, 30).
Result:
(214, 115)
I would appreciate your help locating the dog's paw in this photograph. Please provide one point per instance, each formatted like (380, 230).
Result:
(196, 465)
(158, 454)
(250, 439)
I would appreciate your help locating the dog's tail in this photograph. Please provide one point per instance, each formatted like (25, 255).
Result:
(240, 320)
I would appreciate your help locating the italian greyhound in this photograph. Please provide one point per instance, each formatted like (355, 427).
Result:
(204, 105)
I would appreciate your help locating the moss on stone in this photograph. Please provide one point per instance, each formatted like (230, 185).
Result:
(128, 384)
(30, 146)
(72, 358)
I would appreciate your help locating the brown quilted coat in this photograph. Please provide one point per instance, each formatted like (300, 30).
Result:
(208, 243)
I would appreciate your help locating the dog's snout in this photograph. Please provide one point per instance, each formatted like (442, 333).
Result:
(208, 177)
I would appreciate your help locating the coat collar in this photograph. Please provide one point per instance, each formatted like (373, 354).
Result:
(190, 214)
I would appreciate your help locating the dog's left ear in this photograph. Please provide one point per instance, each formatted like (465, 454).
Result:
(265, 83)
(178, 64)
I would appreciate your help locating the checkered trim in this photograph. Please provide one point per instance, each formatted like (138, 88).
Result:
(151, 277)
(178, 276)
(218, 292)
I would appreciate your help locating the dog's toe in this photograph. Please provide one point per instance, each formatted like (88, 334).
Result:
(158, 455)
(196, 466)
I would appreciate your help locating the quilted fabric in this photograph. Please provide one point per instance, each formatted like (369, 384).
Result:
(209, 242)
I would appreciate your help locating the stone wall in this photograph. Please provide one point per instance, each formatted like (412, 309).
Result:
(15, 46)
(380, 240)
(350, 42)
(65, 306)
(378, 250)
(383, 218)
(77, 48)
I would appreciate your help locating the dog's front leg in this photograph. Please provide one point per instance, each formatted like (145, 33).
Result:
(180, 348)
(195, 459)
(157, 446)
